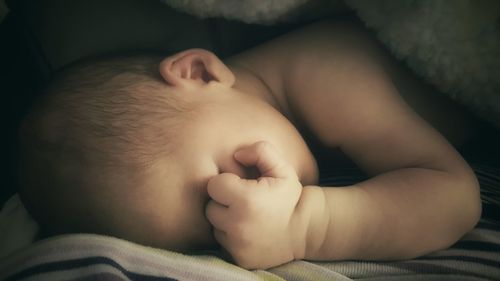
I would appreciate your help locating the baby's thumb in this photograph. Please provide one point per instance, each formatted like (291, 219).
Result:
(266, 159)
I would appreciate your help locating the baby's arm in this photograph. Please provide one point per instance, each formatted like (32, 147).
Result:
(422, 196)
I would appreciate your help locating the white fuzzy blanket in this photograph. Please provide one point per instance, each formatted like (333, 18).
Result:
(454, 44)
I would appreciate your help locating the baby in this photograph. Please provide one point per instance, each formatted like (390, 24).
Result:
(189, 152)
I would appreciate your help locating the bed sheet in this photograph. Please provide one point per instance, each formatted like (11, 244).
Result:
(95, 257)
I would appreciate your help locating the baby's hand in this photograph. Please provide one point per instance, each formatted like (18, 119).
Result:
(254, 220)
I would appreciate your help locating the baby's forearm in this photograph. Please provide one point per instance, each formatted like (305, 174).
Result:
(396, 215)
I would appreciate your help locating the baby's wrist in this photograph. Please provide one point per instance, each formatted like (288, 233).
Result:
(311, 223)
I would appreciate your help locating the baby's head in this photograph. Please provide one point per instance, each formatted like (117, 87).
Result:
(125, 146)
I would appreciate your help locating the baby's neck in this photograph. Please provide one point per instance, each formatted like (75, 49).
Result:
(249, 83)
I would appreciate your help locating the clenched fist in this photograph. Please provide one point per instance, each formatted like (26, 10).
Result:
(257, 220)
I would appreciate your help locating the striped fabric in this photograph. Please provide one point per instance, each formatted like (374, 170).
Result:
(94, 257)
(489, 179)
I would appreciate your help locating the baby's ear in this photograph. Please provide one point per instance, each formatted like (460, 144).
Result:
(195, 67)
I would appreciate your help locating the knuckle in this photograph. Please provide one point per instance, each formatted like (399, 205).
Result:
(262, 147)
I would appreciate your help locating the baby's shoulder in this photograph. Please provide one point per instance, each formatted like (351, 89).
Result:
(277, 65)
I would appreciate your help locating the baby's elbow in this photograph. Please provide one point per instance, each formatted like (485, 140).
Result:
(470, 203)
(475, 208)
(463, 210)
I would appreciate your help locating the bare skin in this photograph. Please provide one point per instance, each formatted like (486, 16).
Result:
(422, 195)
(333, 80)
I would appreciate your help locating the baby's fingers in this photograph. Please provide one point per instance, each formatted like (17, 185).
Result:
(225, 188)
(267, 159)
(217, 215)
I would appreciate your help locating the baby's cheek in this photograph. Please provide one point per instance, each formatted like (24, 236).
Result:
(193, 233)
(200, 228)
(203, 237)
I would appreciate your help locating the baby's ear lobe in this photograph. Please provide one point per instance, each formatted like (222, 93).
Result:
(195, 67)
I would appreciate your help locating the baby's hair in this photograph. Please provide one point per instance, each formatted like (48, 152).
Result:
(100, 122)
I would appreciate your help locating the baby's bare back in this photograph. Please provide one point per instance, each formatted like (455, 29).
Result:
(348, 55)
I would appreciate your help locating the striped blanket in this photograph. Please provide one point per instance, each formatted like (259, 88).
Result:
(94, 257)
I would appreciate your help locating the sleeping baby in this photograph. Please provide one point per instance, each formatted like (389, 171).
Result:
(190, 152)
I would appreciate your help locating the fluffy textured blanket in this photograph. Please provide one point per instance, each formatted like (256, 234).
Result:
(453, 44)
